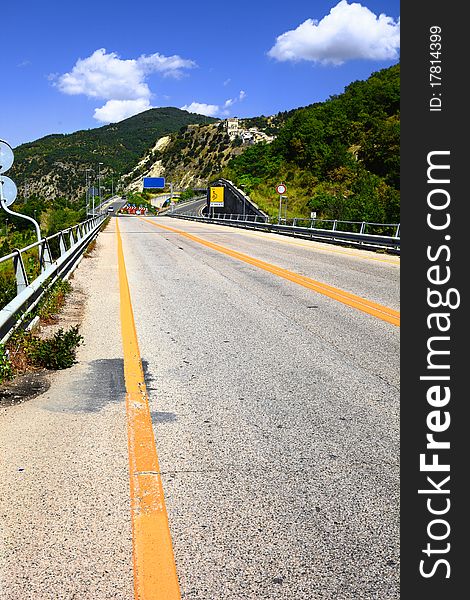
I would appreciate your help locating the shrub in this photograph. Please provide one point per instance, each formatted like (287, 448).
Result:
(57, 352)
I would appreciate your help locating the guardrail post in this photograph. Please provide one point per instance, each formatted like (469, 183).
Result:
(20, 272)
(62, 247)
(397, 232)
(46, 256)
(334, 225)
(363, 226)
(71, 238)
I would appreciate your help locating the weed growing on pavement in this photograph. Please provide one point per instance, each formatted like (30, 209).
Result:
(54, 300)
(91, 246)
(6, 369)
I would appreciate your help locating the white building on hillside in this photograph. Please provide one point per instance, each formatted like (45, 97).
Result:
(232, 127)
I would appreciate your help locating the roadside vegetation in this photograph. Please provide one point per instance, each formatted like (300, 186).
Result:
(339, 158)
(26, 350)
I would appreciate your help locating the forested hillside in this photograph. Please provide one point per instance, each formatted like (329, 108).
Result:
(339, 157)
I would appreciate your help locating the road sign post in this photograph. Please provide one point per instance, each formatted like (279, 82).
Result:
(216, 198)
(8, 189)
(281, 189)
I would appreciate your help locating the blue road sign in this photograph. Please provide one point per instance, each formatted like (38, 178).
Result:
(154, 182)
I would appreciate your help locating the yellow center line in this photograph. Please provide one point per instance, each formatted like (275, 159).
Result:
(372, 308)
(155, 575)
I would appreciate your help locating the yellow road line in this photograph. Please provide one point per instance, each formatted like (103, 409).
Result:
(155, 575)
(371, 308)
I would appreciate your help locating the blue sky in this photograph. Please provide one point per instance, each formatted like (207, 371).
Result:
(71, 66)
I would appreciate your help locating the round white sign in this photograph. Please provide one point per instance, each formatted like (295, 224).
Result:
(281, 189)
(9, 190)
(6, 156)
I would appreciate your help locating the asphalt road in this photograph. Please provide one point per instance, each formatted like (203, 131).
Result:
(275, 411)
(193, 207)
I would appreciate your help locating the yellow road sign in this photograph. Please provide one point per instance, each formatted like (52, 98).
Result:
(217, 196)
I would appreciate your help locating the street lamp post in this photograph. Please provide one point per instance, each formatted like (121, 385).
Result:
(99, 187)
(8, 189)
(87, 193)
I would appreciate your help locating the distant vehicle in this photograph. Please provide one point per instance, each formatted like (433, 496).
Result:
(110, 209)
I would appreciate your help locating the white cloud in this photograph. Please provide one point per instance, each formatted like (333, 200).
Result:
(231, 101)
(117, 110)
(121, 82)
(105, 76)
(169, 66)
(348, 32)
(210, 110)
(213, 110)
(227, 81)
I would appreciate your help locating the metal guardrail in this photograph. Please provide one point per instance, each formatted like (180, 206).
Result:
(53, 257)
(332, 234)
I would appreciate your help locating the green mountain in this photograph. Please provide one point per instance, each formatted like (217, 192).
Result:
(54, 166)
(339, 158)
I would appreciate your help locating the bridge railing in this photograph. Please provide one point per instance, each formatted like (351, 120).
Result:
(363, 233)
(38, 266)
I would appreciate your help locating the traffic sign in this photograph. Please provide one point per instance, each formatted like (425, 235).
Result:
(8, 190)
(6, 156)
(281, 189)
(216, 196)
(154, 182)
